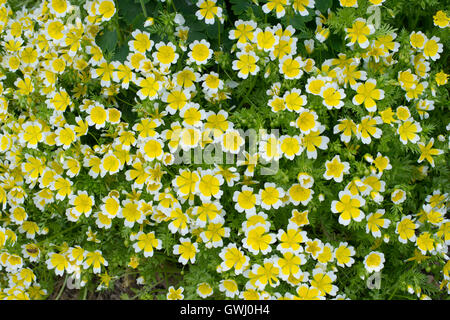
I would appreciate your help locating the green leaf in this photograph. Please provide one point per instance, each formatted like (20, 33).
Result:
(195, 35)
(240, 6)
(107, 41)
(121, 53)
(185, 7)
(297, 21)
(128, 10)
(194, 24)
(323, 5)
(138, 22)
(212, 30)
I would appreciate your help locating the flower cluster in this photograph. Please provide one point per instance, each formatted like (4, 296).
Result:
(90, 181)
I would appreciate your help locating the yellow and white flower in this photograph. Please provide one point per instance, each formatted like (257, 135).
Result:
(314, 140)
(211, 82)
(82, 203)
(432, 48)
(141, 42)
(426, 243)
(359, 32)
(245, 200)
(208, 185)
(58, 262)
(186, 249)
(265, 39)
(441, 20)
(398, 196)
(347, 127)
(271, 196)
(270, 148)
(213, 234)
(343, 254)
(229, 287)
(131, 213)
(335, 169)
(291, 67)
(323, 281)
(200, 52)
(291, 240)
(375, 221)
(405, 229)
(294, 100)
(367, 129)
(175, 294)
(367, 93)
(408, 130)
(306, 121)
(348, 206)
(246, 64)
(258, 240)
(277, 6)
(111, 206)
(300, 6)
(96, 260)
(374, 261)
(147, 243)
(204, 290)
(233, 258)
(290, 146)
(208, 10)
(150, 87)
(332, 96)
(231, 141)
(243, 32)
(106, 9)
(165, 54)
(97, 116)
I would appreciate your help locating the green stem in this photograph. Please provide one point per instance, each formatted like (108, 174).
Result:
(228, 75)
(166, 280)
(58, 234)
(130, 87)
(62, 288)
(143, 8)
(118, 30)
(95, 138)
(393, 293)
(218, 28)
(173, 6)
(131, 105)
(85, 292)
(248, 91)
(218, 64)
(157, 291)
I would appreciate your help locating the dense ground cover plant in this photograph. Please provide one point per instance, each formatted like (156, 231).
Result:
(343, 193)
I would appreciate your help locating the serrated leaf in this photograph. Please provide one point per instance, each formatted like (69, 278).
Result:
(297, 21)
